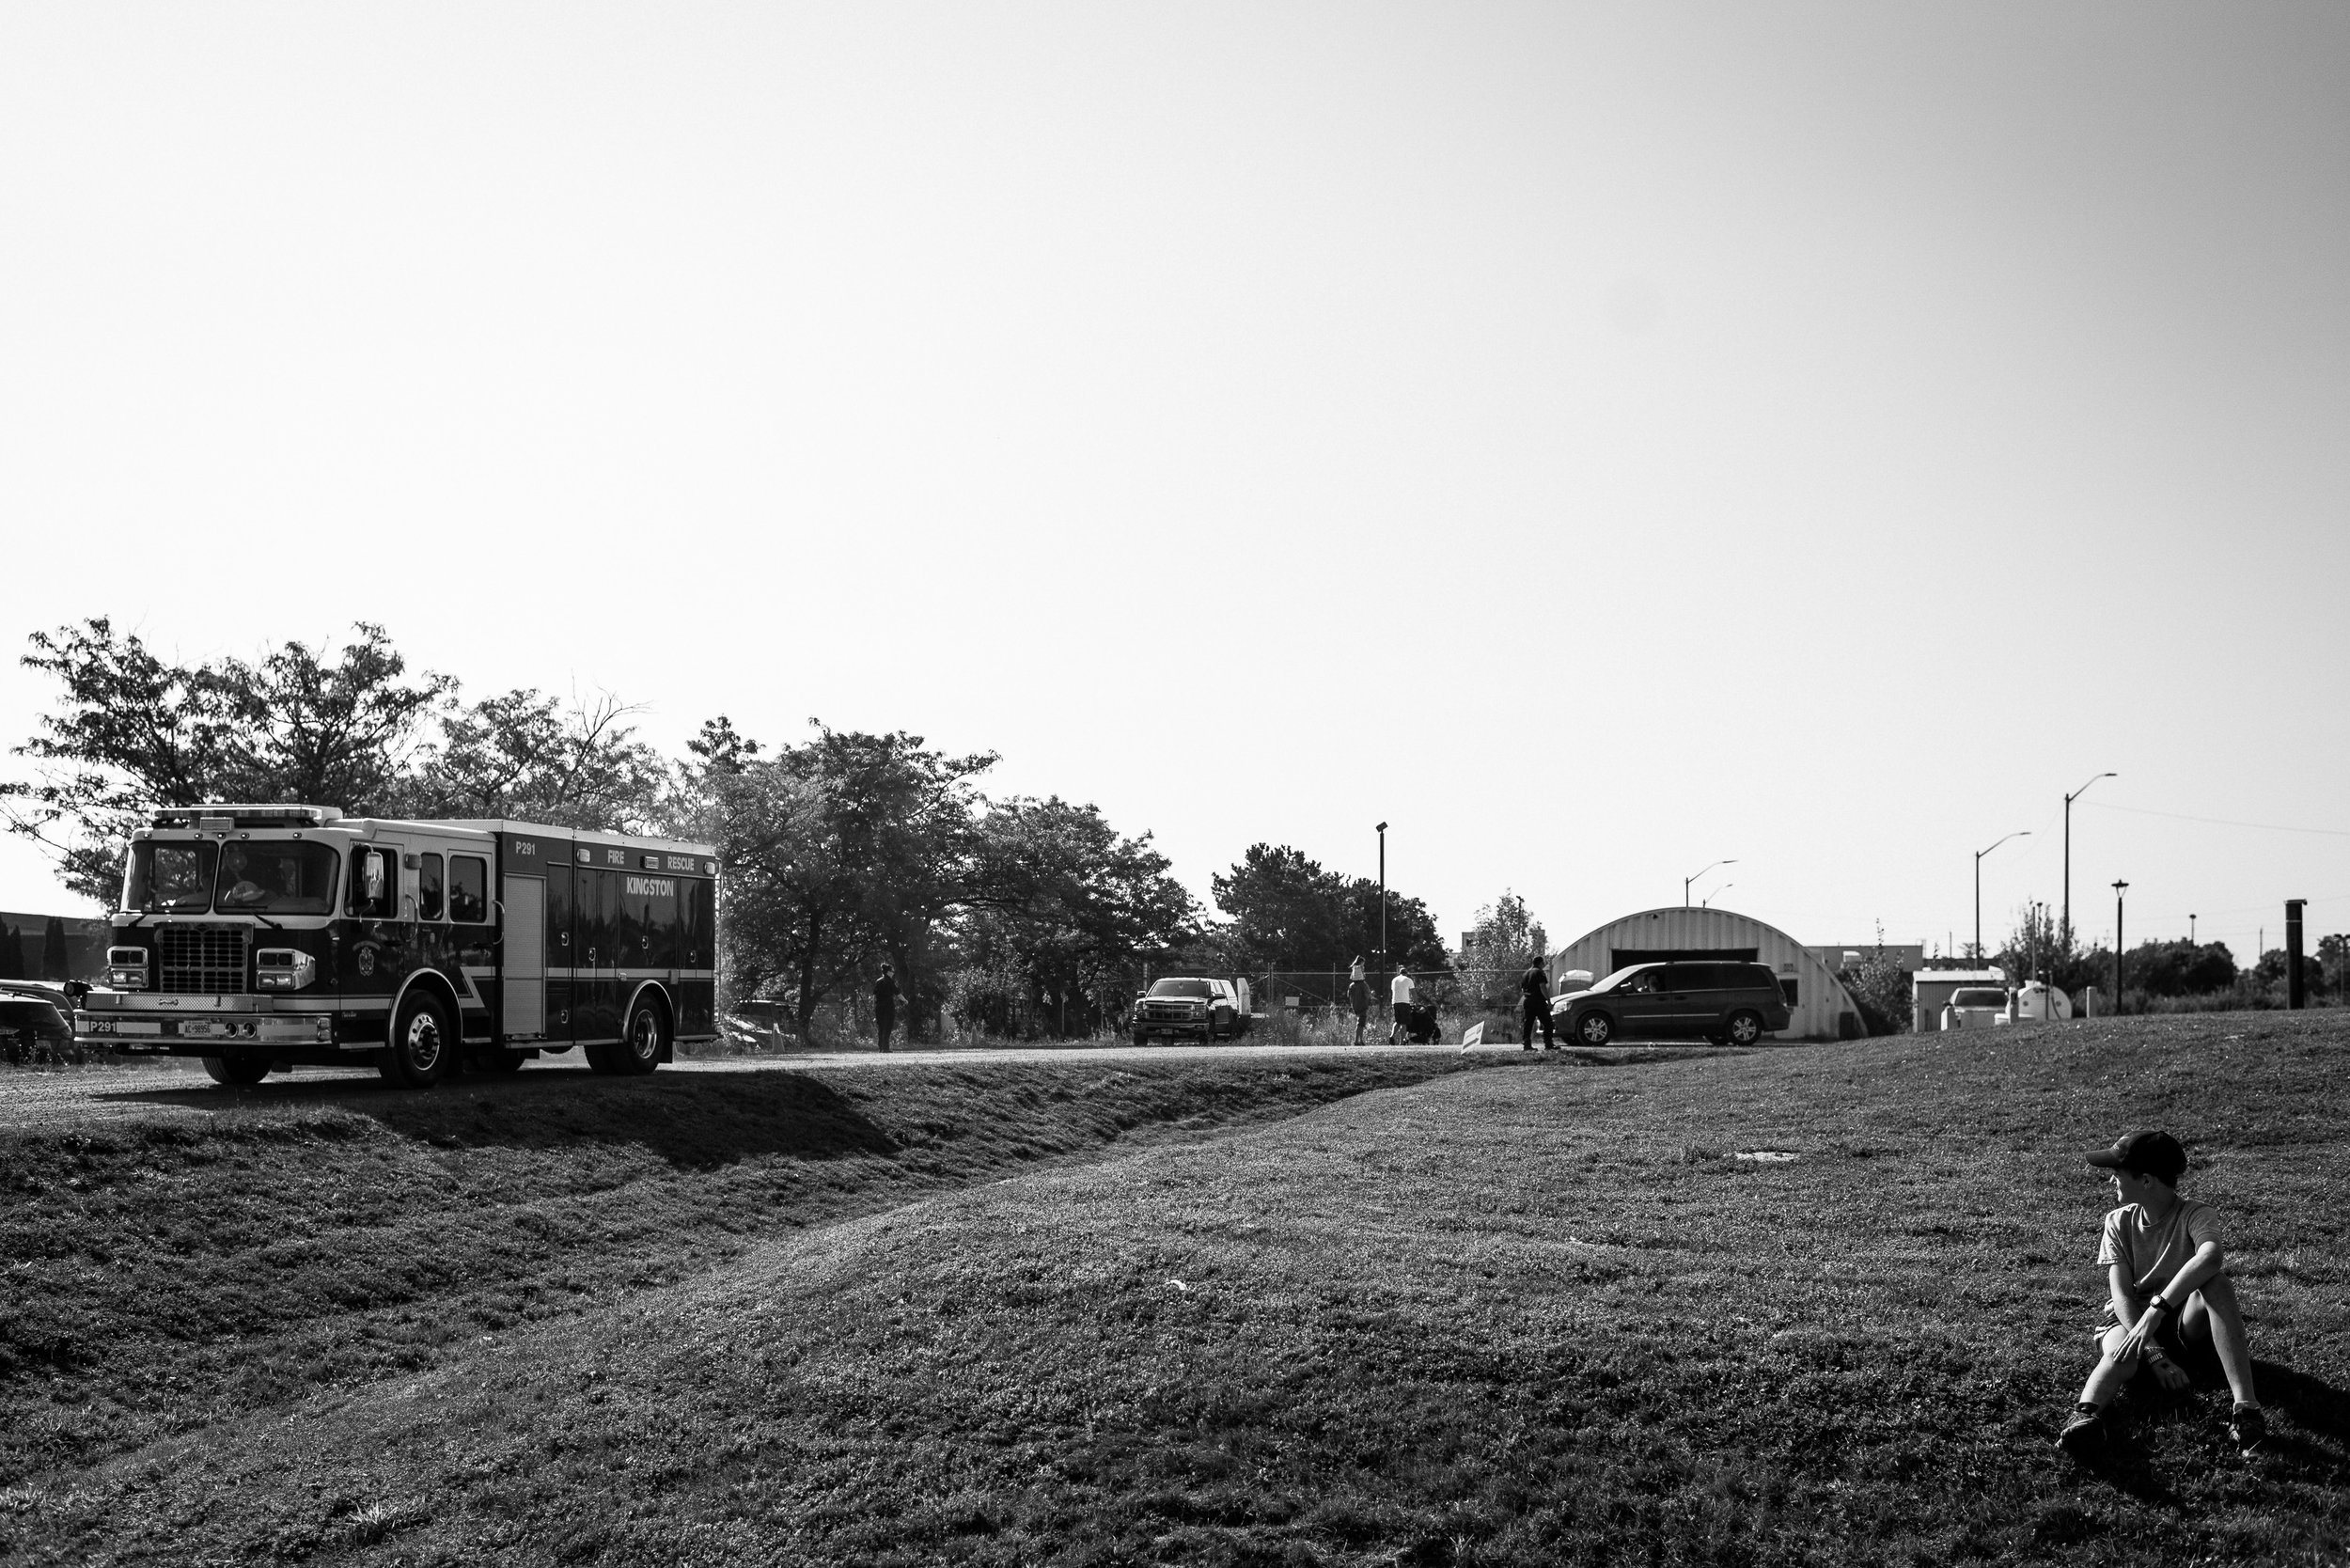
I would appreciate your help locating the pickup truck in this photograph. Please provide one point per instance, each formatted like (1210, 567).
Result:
(1191, 1008)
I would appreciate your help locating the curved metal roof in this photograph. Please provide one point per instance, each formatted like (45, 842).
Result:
(1821, 999)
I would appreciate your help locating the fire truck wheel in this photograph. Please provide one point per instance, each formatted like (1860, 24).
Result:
(241, 1069)
(602, 1059)
(421, 1047)
(641, 1051)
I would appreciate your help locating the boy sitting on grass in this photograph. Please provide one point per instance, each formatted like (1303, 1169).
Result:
(2161, 1253)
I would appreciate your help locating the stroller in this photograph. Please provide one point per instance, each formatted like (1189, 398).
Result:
(1417, 1020)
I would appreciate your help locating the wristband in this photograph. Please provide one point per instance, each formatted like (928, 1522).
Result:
(2158, 1305)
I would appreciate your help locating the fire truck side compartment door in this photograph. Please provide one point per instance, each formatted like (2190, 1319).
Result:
(522, 957)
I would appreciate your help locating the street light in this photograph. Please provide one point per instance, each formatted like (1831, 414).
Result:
(2191, 928)
(2020, 833)
(2118, 888)
(1716, 893)
(1701, 871)
(1383, 895)
(2068, 854)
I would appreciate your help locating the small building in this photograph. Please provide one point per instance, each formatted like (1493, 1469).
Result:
(1930, 992)
(1823, 1009)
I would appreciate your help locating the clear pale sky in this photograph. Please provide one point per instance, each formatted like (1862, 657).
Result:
(1596, 440)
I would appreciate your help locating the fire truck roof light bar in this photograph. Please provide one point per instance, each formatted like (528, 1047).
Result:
(220, 818)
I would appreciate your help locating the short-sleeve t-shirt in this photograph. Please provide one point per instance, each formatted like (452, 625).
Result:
(1401, 991)
(2152, 1252)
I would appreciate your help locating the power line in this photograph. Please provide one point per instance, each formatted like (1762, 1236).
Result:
(2216, 822)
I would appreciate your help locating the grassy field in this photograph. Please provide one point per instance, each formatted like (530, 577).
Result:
(1523, 1316)
(167, 1273)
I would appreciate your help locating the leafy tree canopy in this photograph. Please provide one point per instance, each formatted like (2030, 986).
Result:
(1290, 913)
(348, 727)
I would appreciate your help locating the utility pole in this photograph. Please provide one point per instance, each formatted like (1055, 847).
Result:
(2118, 888)
(2022, 833)
(2191, 928)
(1383, 895)
(2068, 854)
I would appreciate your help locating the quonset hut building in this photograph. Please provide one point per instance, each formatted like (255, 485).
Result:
(1821, 1007)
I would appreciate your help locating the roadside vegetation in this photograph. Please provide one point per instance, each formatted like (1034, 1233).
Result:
(1819, 1305)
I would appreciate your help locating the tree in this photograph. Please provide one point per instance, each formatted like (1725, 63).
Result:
(1287, 912)
(133, 733)
(1290, 913)
(57, 960)
(2038, 947)
(129, 733)
(534, 758)
(1057, 897)
(333, 733)
(845, 850)
(1882, 989)
(2178, 969)
(1505, 940)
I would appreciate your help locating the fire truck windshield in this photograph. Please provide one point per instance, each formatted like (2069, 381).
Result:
(277, 877)
(270, 877)
(168, 878)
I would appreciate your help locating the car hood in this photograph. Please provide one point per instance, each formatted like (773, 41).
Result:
(1572, 995)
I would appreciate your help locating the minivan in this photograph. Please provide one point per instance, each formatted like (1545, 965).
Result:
(1727, 1002)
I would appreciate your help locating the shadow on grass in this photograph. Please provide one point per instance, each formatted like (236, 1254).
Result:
(696, 1120)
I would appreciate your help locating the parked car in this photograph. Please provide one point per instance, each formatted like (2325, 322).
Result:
(1191, 1008)
(33, 1028)
(1727, 1002)
(1975, 1007)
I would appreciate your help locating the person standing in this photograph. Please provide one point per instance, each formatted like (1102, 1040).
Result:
(884, 1004)
(1398, 1005)
(1534, 1005)
(1359, 997)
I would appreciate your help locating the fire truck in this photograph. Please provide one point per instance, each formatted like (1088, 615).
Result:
(262, 937)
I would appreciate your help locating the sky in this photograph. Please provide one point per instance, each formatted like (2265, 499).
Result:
(1596, 441)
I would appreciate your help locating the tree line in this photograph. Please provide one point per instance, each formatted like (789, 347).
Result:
(841, 851)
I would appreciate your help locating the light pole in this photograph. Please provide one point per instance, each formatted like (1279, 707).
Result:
(2118, 889)
(2191, 928)
(1707, 900)
(2020, 833)
(1701, 871)
(2068, 854)
(1383, 895)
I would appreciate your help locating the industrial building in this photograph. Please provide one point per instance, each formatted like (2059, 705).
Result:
(1823, 1009)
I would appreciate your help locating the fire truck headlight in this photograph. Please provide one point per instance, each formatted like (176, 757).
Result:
(283, 969)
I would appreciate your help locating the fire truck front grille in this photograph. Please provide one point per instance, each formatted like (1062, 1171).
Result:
(201, 961)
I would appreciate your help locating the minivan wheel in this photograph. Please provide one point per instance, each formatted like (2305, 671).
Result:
(1594, 1028)
(1745, 1028)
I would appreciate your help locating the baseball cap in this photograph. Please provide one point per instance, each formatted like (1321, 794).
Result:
(2144, 1152)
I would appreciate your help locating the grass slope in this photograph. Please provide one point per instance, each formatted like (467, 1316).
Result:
(1522, 1317)
(159, 1275)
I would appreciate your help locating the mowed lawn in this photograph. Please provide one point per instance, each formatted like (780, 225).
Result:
(1525, 1316)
